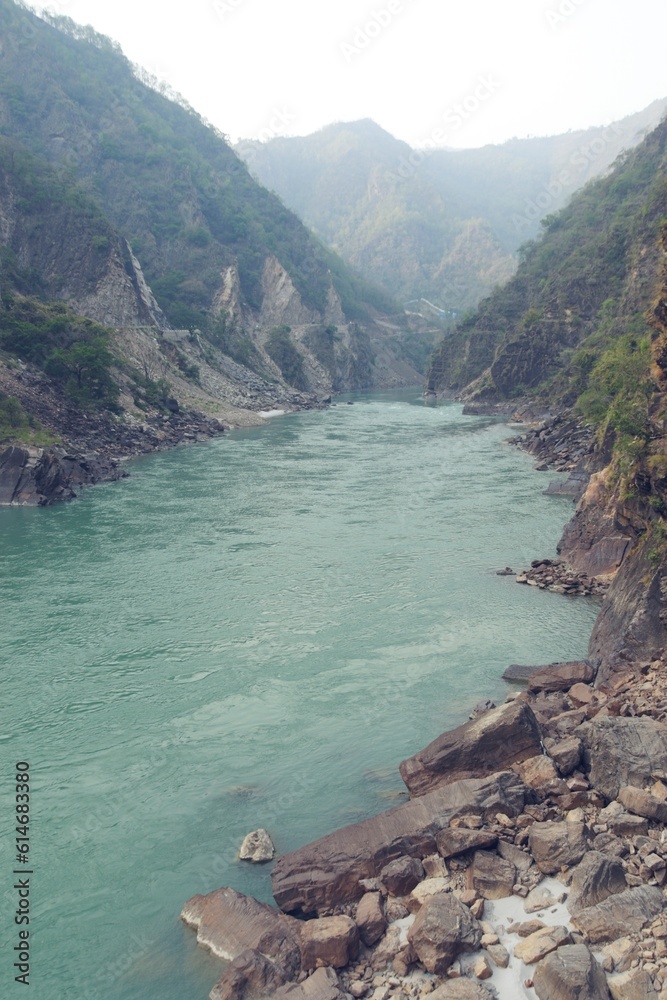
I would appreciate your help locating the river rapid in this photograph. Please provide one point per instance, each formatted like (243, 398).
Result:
(250, 632)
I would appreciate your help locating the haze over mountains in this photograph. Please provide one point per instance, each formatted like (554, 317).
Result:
(435, 223)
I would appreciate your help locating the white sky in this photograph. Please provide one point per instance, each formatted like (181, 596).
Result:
(257, 68)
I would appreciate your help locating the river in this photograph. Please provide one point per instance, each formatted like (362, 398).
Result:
(250, 632)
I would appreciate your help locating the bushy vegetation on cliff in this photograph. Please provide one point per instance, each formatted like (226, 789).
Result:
(168, 182)
(588, 281)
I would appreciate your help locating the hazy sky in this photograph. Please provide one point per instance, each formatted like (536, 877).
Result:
(460, 73)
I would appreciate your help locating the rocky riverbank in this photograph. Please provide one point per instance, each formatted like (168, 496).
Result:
(531, 860)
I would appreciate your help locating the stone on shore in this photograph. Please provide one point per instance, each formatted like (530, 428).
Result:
(570, 973)
(327, 872)
(331, 942)
(322, 985)
(493, 742)
(461, 989)
(596, 877)
(625, 913)
(257, 847)
(250, 974)
(556, 845)
(561, 676)
(443, 929)
(566, 754)
(401, 876)
(452, 841)
(635, 984)
(623, 751)
(539, 774)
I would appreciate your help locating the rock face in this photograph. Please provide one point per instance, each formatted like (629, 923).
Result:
(561, 676)
(571, 973)
(491, 876)
(555, 845)
(496, 740)
(257, 847)
(328, 871)
(620, 751)
(616, 916)
(37, 477)
(443, 929)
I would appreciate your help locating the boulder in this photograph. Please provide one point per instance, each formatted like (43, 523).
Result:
(570, 973)
(327, 872)
(322, 985)
(443, 929)
(624, 913)
(566, 754)
(540, 944)
(556, 845)
(228, 924)
(370, 918)
(401, 876)
(491, 876)
(596, 877)
(496, 740)
(328, 942)
(642, 803)
(452, 841)
(257, 847)
(561, 676)
(520, 859)
(539, 774)
(623, 751)
(635, 984)
(429, 887)
(249, 975)
(499, 955)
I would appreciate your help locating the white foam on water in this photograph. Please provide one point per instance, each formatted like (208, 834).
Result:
(267, 414)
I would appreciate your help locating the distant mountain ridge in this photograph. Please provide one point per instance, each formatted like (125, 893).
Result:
(435, 223)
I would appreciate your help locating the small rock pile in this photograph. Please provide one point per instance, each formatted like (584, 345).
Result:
(554, 574)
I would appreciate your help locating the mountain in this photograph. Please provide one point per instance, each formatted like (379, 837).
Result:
(122, 203)
(439, 224)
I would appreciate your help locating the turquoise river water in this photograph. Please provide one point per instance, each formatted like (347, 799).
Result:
(250, 632)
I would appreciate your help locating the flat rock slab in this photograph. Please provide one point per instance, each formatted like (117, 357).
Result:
(635, 984)
(570, 973)
(322, 985)
(492, 742)
(625, 913)
(520, 672)
(562, 676)
(461, 989)
(457, 840)
(642, 803)
(540, 944)
(228, 923)
(327, 872)
(623, 751)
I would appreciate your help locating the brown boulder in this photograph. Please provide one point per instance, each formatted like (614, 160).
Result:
(555, 845)
(539, 774)
(623, 751)
(452, 841)
(327, 872)
(596, 877)
(443, 929)
(228, 924)
(619, 915)
(461, 989)
(561, 676)
(401, 876)
(642, 803)
(370, 918)
(570, 973)
(635, 984)
(566, 754)
(322, 985)
(496, 740)
(329, 942)
(491, 876)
